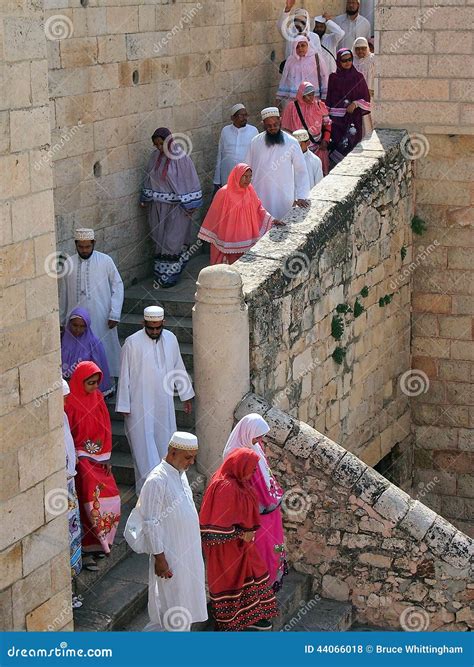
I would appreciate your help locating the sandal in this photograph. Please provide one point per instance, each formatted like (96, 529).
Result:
(76, 602)
(88, 563)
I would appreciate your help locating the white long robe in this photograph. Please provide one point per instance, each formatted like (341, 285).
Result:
(94, 284)
(150, 373)
(359, 27)
(279, 174)
(234, 143)
(314, 168)
(171, 526)
(330, 41)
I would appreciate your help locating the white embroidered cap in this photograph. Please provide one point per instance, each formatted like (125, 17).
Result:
(301, 135)
(235, 108)
(320, 19)
(183, 440)
(84, 234)
(66, 389)
(270, 112)
(153, 314)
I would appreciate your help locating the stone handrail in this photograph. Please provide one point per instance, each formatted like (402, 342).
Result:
(362, 538)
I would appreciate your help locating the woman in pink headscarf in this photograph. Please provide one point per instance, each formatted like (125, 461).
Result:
(304, 64)
(236, 219)
(269, 538)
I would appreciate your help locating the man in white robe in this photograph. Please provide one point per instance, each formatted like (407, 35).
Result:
(293, 23)
(176, 591)
(151, 370)
(279, 173)
(353, 24)
(234, 143)
(313, 162)
(90, 279)
(330, 35)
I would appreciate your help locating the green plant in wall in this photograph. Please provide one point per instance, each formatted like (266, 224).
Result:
(418, 225)
(403, 252)
(364, 291)
(358, 308)
(343, 308)
(337, 327)
(339, 355)
(385, 300)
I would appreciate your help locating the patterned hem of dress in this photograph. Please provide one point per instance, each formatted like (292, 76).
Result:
(236, 610)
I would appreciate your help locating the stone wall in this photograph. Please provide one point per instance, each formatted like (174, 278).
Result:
(120, 70)
(363, 539)
(35, 587)
(443, 346)
(294, 279)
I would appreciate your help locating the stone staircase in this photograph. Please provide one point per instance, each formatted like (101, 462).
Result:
(115, 597)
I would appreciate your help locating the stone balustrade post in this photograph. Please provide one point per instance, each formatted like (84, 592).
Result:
(221, 359)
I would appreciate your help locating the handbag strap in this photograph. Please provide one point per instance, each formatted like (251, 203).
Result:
(330, 52)
(300, 114)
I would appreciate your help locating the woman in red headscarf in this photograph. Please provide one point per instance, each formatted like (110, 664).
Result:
(98, 495)
(236, 219)
(239, 587)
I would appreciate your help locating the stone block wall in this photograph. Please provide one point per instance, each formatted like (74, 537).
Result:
(363, 539)
(35, 587)
(443, 329)
(294, 279)
(122, 69)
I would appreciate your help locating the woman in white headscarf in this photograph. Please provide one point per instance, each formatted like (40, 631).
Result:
(303, 65)
(269, 538)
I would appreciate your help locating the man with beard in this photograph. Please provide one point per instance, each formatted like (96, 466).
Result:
(353, 24)
(151, 371)
(330, 34)
(279, 174)
(233, 144)
(90, 280)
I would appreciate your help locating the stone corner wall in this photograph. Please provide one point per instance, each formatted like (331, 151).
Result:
(35, 579)
(363, 539)
(293, 280)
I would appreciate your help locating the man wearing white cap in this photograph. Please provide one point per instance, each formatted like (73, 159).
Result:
(353, 24)
(151, 371)
(279, 173)
(233, 144)
(313, 162)
(90, 279)
(176, 590)
(330, 34)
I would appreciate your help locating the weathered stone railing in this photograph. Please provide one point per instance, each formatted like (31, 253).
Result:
(362, 538)
(294, 278)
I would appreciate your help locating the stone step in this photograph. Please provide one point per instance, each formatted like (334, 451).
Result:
(321, 615)
(296, 590)
(182, 327)
(87, 580)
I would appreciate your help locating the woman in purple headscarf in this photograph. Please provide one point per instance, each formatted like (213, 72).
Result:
(78, 343)
(171, 191)
(348, 100)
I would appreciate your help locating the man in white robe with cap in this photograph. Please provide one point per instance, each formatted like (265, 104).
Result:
(91, 280)
(279, 173)
(233, 144)
(353, 24)
(176, 591)
(330, 35)
(152, 369)
(313, 162)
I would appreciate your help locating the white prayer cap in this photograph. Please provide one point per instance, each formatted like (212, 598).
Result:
(360, 41)
(183, 440)
(66, 389)
(270, 112)
(301, 135)
(153, 314)
(309, 89)
(320, 19)
(235, 108)
(84, 234)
